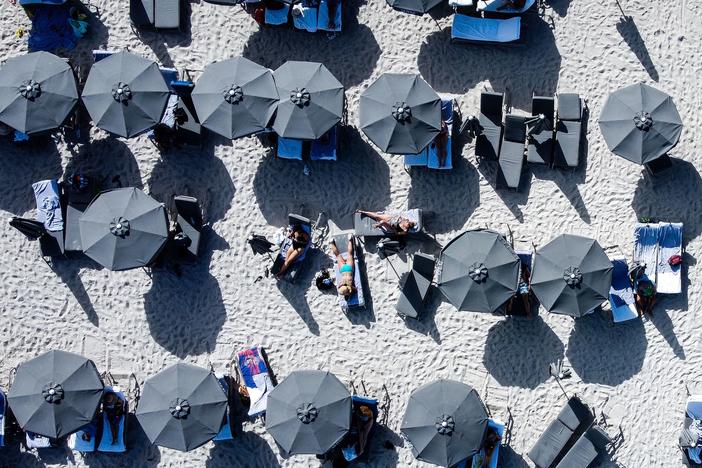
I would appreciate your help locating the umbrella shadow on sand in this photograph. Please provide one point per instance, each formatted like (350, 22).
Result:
(604, 354)
(351, 57)
(108, 161)
(517, 71)
(518, 351)
(238, 452)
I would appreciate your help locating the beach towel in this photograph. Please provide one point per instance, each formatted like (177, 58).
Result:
(470, 28)
(277, 17)
(324, 148)
(46, 193)
(289, 148)
(305, 17)
(646, 249)
(356, 300)
(84, 439)
(256, 379)
(51, 28)
(669, 256)
(621, 292)
(107, 444)
(694, 411)
(323, 20)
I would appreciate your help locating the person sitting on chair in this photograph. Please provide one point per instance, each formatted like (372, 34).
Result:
(297, 241)
(346, 286)
(391, 224)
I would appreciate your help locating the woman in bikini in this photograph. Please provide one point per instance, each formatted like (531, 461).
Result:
(346, 286)
(392, 224)
(297, 240)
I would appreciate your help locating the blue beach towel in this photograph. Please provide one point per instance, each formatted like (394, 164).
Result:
(324, 148)
(621, 293)
(277, 17)
(289, 148)
(447, 116)
(323, 22)
(646, 249)
(107, 444)
(51, 28)
(84, 439)
(46, 194)
(670, 244)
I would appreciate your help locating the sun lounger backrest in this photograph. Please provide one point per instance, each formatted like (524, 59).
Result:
(424, 264)
(189, 209)
(569, 106)
(491, 106)
(167, 14)
(515, 128)
(543, 105)
(694, 407)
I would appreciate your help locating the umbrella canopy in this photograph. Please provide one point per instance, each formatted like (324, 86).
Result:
(125, 94)
(55, 394)
(479, 271)
(418, 7)
(123, 228)
(309, 412)
(640, 123)
(571, 275)
(445, 421)
(235, 98)
(38, 92)
(182, 407)
(311, 100)
(400, 113)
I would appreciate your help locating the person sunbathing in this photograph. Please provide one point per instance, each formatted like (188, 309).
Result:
(441, 142)
(346, 286)
(391, 224)
(113, 407)
(297, 241)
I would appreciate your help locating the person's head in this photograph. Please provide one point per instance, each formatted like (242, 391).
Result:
(346, 290)
(365, 412)
(298, 234)
(406, 225)
(109, 398)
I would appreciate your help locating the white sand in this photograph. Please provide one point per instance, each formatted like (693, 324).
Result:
(635, 372)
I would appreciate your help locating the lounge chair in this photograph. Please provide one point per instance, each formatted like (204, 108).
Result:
(568, 130)
(488, 139)
(429, 157)
(323, 22)
(516, 305)
(511, 159)
(586, 449)
(107, 442)
(364, 225)
(289, 148)
(540, 142)
(189, 224)
(416, 287)
(353, 447)
(54, 24)
(479, 30)
(188, 128)
(670, 240)
(357, 300)
(256, 377)
(324, 148)
(646, 249)
(77, 200)
(277, 16)
(47, 194)
(689, 437)
(225, 432)
(85, 439)
(561, 434)
(294, 270)
(156, 14)
(304, 17)
(621, 293)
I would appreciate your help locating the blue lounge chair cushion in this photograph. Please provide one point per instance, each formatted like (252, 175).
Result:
(419, 159)
(107, 444)
(225, 433)
(470, 28)
(289, 148)
(621, 293)
(433, 160)
(324, 148)
(85, 439)
(277, 17)
(646, 249)
(323, 22)
(479, 458)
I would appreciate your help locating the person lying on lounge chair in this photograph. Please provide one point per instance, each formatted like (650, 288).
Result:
(113, 407)
(346, 267)
(492, 440)
(298, 240)
(392, 224)
(441, 141)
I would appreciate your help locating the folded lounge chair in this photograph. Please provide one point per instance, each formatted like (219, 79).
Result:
(479, 30)
(364, 225)
(109, 443)
(294, 270)
(416, 287)
(621, 293)
(670, 237)
(189, 225)
(540, 143)
(77, 200)
(511, 159)
(156, 14)
(568, 130)
(255, 376)
(646, 249)
(429, 157)
(488, 139)
(352, 447)
(690, 435)
(357, 300)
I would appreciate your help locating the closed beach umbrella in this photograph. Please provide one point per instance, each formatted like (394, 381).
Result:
(640, 123)
(309, 412)
(123, 228)
(235, 98)
(182, 407)
(37, 92)
(479, 271)
(311, 100)
(417, 7)
(55, 394)
(125, 94)
(445, 421)
(400, 113)
(571, 275)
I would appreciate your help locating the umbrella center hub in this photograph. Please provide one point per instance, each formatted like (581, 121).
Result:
(121, 92)
(300, 97)
(401, 112)
(180, 408)
(643, 121)
(573, 276)
(307, 413)
(233, 94)
(119, 227)
(445, 425)
(52, 392)
(478, 272)
(30, 90)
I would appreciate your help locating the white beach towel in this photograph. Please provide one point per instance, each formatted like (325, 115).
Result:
(46, 194)
(485, 29)
(669, 244)
(646, 248)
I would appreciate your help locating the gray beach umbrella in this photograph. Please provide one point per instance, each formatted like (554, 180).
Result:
(445, 422)
(182, 407)
(38, 92)
(479, 271)
(55, 394)
(311, 100)
(235, 98)
(571, 275)
(309, 412)
(418, 7)
(125, 94)
(400, 113)
(123, 228)
(640, 123)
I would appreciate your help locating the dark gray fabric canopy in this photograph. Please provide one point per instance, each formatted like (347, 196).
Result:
(414, 6)
(123, 228)
(125, 94)
(235, 98)
(55, 394)
(37, 92)
(640, 123)
(445, 422)
(311, 100)
(400, 113)
(571, 275)
(182, 407)
(309, 412)
(479, 271)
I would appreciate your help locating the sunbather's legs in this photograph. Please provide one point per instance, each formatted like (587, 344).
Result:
(379, 217)
(339, 258)
(290, 257)
(350, 251)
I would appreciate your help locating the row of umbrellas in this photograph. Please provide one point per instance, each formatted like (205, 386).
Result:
(184, 406)
(479, 271)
